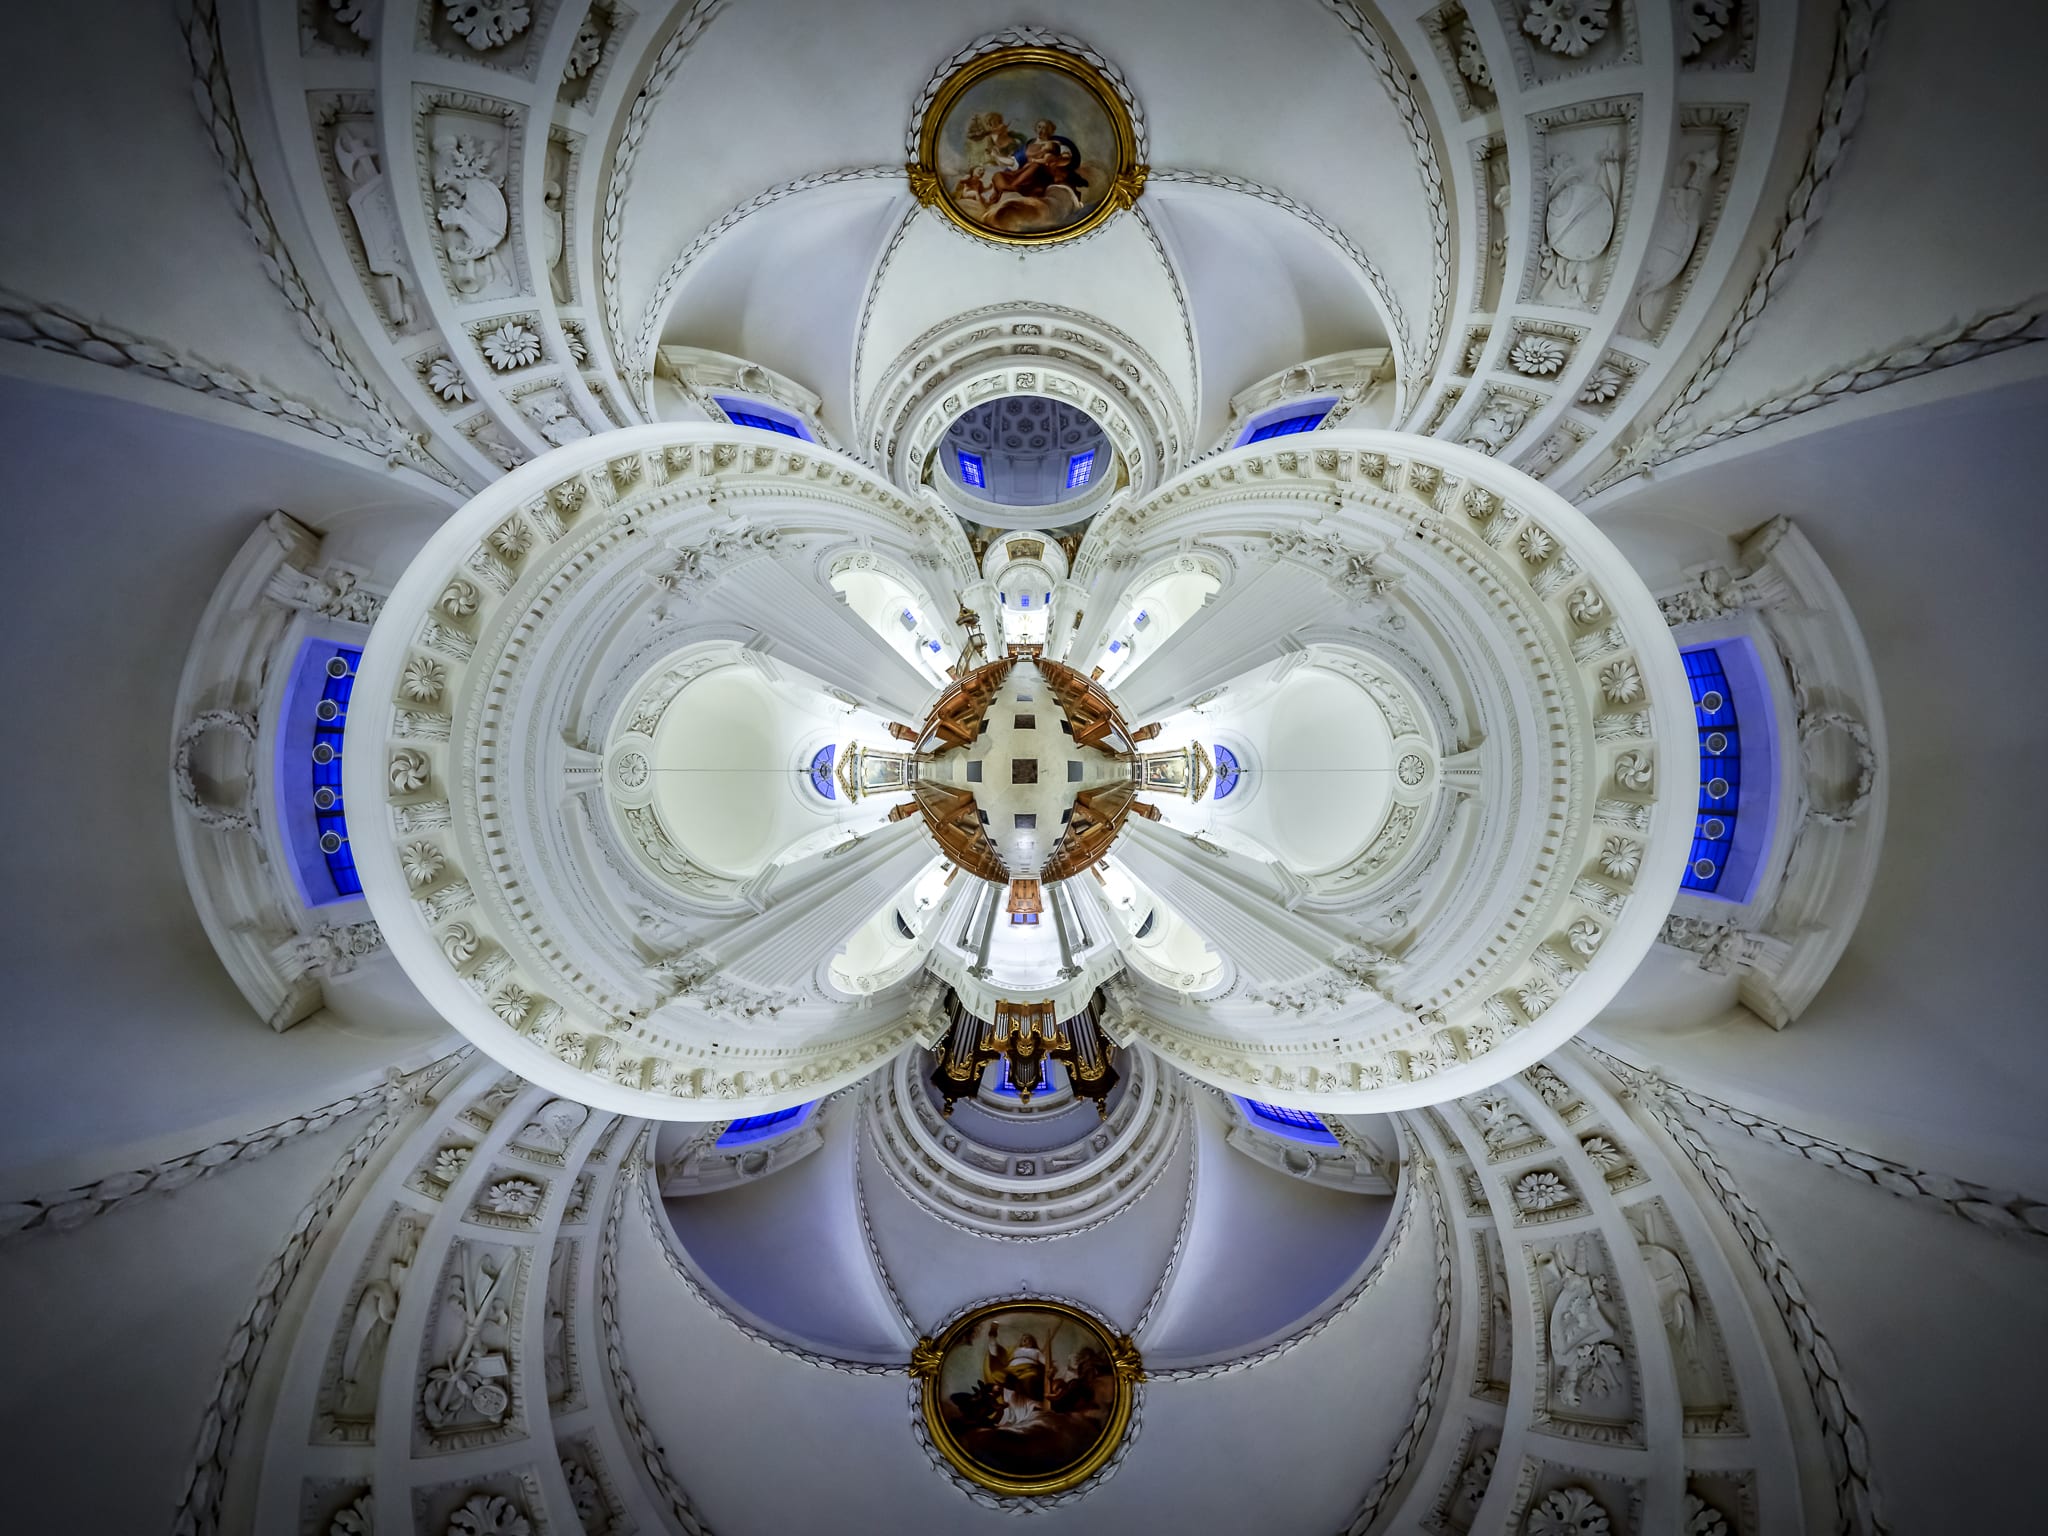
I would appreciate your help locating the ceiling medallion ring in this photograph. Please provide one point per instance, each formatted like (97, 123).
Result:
(470, 618)
(998, 1360)
(1078, 169)
(1563, 612)
(902, 384)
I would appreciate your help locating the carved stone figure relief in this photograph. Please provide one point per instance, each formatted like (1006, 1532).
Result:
(555, 186)
(1685, 222)
(558, 1350)
(470, 148)
(345, 128)
(1581, 200)
(348, 1398)
(1496, 197)
(1586, 1387)
(1493, 1359)
(469, 1386)
(1706, 1380)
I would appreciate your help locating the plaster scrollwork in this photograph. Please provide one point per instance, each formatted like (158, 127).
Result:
(1354, 574)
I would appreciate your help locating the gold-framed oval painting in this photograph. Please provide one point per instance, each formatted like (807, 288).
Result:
(1027, 146)
(1027, 1397)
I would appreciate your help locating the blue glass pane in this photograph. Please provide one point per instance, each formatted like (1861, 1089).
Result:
(329, 813)
(1008, 1088)
(970, 470)
(741, 414)
(821, 771)
(1288, 426)
(1297, 1123)
(761, 1127)
(1079, 468)
(1227, 772)
(1720, 770)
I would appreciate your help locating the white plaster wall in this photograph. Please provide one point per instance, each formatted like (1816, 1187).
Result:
(116, 1333)
(788, 1248)
(116, 202)
(1934, 217)
(766, 1443)
(1939, 1327)
(122, 1027)
(1926, 1043)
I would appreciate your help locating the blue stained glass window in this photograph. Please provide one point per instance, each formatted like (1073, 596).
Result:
(971, 471)
(1227, 772)
(1008, 1089)
(1297, 1123)
(761, 1127)
(1288, 426)
(330, 718)
(744, 413)
(821, 770)
(1025, 599)
(1079, 468)
(1115, 646)
(1720, 770)
(931, 645)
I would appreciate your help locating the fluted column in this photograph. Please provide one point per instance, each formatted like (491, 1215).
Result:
(1059, 927)
(989, 910)
(1243, 627)
(1236, 902)
(804, 623)
(808, 908)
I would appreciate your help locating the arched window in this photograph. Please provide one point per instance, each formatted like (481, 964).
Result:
(1227, 773)
(761, 1127)
(767, 418)
(1287, 426)
(821, 770)
(1720, 770)
(312, 816)
(1296, 1124)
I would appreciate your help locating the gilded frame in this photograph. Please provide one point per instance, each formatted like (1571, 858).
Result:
(1128, 182)
(929, 1355)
